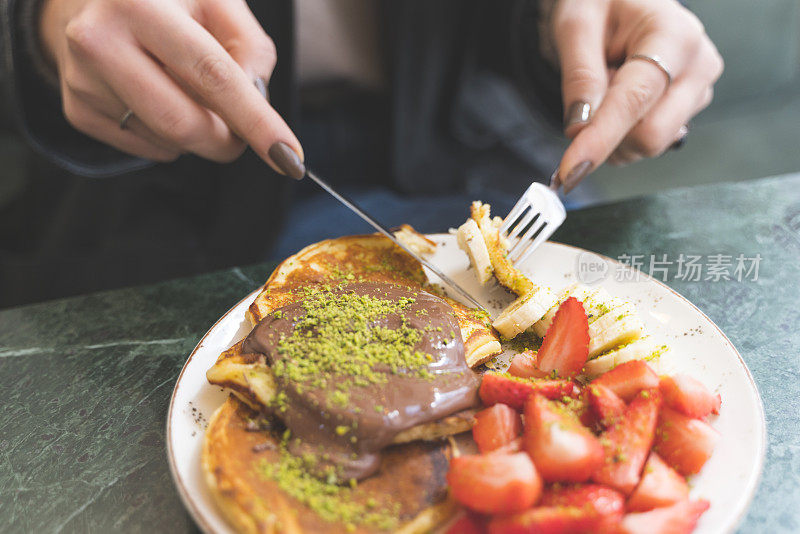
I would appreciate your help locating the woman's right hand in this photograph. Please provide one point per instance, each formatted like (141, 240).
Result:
(187, 69)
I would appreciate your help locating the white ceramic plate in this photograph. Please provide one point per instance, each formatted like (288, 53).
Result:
(698, 347)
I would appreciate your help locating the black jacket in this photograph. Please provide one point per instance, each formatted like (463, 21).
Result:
(470, 99)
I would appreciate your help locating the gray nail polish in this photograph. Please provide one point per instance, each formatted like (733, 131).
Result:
(578, 112)
(555, 181)
(287, 160)
(577, 174)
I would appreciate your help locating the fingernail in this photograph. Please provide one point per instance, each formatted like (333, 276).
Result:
(287, 160)
(681, 140)
(555, 181)
(577, 174)
(261, 85)
(578, 112)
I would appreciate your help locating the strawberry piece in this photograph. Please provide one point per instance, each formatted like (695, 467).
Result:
(496, 427)
(498, 388)
(628, 379)
(495, 483)
(627, 443)
(468, 524)
(606, 406)
(545, 520)
(562, 449)
(511, 447)
(680, 518)
(525, 365)
(684, 443)
(689, 396)
(607, 505)
(660, 486)
(565, 347)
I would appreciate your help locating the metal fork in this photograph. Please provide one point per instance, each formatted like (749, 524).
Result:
(538, 213)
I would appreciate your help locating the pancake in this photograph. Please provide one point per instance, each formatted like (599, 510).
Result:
(408, 478)
(410, 490)
(370, 257)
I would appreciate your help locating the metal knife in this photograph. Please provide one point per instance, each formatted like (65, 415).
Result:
(385, 231)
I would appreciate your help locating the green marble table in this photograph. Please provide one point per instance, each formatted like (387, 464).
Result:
(85, 382)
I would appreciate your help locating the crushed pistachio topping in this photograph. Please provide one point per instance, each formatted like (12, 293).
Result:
(331, 502)
(340, 335)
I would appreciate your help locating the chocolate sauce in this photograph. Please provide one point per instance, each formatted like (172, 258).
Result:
(346, 437)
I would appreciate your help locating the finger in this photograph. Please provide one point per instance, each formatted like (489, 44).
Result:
(579, 29)
(100, 127)
(233, 24)
(163, 107)
(656, 132)
(634, 89)
(151, 93)
(198, 59)
(102, 100)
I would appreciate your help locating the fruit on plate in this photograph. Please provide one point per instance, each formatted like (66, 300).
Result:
(628, 379)
(596, 302)
(683, 442)
(561, 447)
(604, 505)
(679, 518)
(616, 327)
(627, 443)
(524, 312)
(605, 405)
(525, 365)
(514, 391)
(566, 345)
(496, 427)
(645, 348)
(689, 396)
(494, 483)
(471, 241)
(660, 486)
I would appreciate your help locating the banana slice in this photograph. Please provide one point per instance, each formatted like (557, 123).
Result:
(595, 301)
(524, 312)
(645, 348)
(470, 240)
(616, 327)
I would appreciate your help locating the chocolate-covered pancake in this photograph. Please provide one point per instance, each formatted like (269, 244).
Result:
(354, 360)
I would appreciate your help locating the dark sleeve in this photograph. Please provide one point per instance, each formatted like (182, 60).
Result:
(32, 103)
(473, 97)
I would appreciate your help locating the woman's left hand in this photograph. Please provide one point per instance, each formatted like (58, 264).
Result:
(619, 108)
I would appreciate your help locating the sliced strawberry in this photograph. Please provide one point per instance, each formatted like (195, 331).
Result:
(607, 505)
(689, 396)
(499, 388)
(562, 449)
(510, 447)
(565, 347)
(628, 379)
(683, 442)
(606, 406)
(525, 365)
(680, 518)
(660, 486)
(468, 524)
(545, 520)
(627, 443)
(496, 427)
(494, 483)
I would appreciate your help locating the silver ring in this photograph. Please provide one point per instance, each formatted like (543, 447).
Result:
(657, 61)
(123, 121)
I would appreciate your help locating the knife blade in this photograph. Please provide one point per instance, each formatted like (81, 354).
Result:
(385, 231)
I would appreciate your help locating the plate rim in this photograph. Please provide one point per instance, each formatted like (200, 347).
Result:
(183, 492)
(195, 513)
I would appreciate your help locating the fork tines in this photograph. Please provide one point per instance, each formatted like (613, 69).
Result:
(532, 221)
